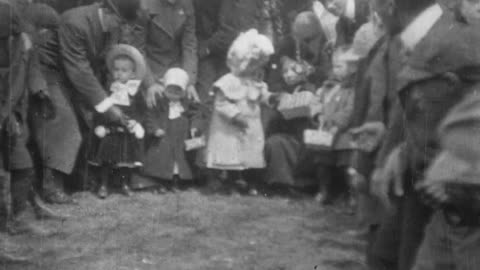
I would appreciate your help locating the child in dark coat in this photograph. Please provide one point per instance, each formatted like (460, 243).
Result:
(337, 97)
(119, 147)
(169, 125)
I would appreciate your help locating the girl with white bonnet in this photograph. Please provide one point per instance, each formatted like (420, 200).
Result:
(236, 138)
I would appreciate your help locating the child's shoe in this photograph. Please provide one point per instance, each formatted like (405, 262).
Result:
(102, 192)
(126, 190)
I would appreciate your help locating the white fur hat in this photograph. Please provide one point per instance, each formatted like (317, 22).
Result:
(177, 77)
(247, 47)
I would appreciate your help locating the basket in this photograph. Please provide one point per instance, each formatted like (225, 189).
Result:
(318, 139)
(195, 143)
(298, 105)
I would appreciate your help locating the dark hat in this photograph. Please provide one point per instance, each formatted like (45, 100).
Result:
(127, 9)
(10, 22)
(42, 15)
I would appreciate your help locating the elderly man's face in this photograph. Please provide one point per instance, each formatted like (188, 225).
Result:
(470, 10)
(337, 7)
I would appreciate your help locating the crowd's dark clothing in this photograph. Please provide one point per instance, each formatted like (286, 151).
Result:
(14, 104)
(286, 155)
(453, 243)
(213, 31)
(347, 27)
(213, 44)
(16, 166)
(401, 231)
(362, 161)
(61, 5)
(57, 150)
(83, 47)
(434, 78)
(162, 153)
(171, 40)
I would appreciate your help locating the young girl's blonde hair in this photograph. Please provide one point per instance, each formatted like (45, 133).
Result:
(249, 51)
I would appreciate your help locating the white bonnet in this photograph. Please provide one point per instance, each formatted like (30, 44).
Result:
(247, 47)
(177, 77)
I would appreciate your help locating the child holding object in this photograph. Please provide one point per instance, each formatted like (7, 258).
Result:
(337, 96)
(236, 137)
(119, 147)
(174, 131)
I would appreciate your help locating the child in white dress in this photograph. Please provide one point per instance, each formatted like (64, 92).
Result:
(236, 138)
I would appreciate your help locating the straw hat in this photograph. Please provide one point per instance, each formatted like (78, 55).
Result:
(132, 53)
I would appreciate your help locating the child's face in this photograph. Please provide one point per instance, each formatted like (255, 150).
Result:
(291, 73)
(342, 69)
(123, 70)
(470, 9)
(174, 93)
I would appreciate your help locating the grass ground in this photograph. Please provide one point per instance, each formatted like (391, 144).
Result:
(191, 231)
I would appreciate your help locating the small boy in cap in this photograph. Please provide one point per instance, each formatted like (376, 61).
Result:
(120, 145)
(337, 97)
(169, 125)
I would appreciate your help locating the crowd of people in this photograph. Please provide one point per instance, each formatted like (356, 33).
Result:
(369, 102)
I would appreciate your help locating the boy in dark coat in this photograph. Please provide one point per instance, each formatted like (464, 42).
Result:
(173, 121)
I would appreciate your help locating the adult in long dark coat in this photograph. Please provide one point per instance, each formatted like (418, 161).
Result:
(171, 40)
(352, 14)
(435, 77)
(56, 150)
(86, 34)
(16, 165)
